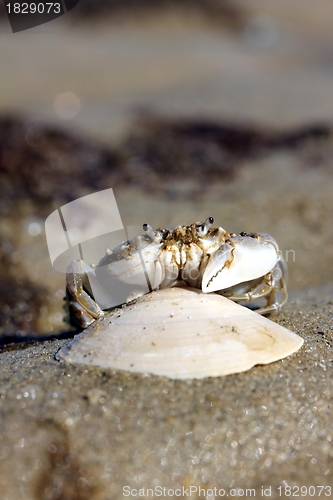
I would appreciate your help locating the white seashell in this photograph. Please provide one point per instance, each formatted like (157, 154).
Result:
(181, 333)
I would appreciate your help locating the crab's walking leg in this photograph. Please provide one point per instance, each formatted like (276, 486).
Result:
(272, 286)
(81, 316)
(82, 307)
(258, 291)
(276, 299)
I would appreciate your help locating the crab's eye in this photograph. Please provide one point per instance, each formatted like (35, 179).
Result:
(145, 227)
(203, 229)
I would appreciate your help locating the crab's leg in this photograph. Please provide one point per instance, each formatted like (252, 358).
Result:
(273, 286)
(278, 295)
(81, 316)
(75, 276)
(261, 290)
(277, 298)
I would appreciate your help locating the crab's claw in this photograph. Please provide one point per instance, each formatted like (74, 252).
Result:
(241, 258)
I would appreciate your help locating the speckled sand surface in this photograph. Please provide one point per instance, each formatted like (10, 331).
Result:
(69, 432)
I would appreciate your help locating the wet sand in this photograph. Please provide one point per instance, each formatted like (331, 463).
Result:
(71, 432)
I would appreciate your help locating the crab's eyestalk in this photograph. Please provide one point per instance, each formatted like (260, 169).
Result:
(203, 228)
(150, 231)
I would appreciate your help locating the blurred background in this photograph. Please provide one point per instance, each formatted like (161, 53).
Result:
(218, 108)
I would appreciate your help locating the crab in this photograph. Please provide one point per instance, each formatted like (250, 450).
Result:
(244, 268)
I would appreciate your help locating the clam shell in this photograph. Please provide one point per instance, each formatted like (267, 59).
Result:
(181, 333)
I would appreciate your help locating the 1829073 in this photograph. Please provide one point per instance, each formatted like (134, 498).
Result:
(304, 491)
(34, 8)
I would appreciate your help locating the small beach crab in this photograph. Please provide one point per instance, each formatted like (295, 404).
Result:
(244, 268)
